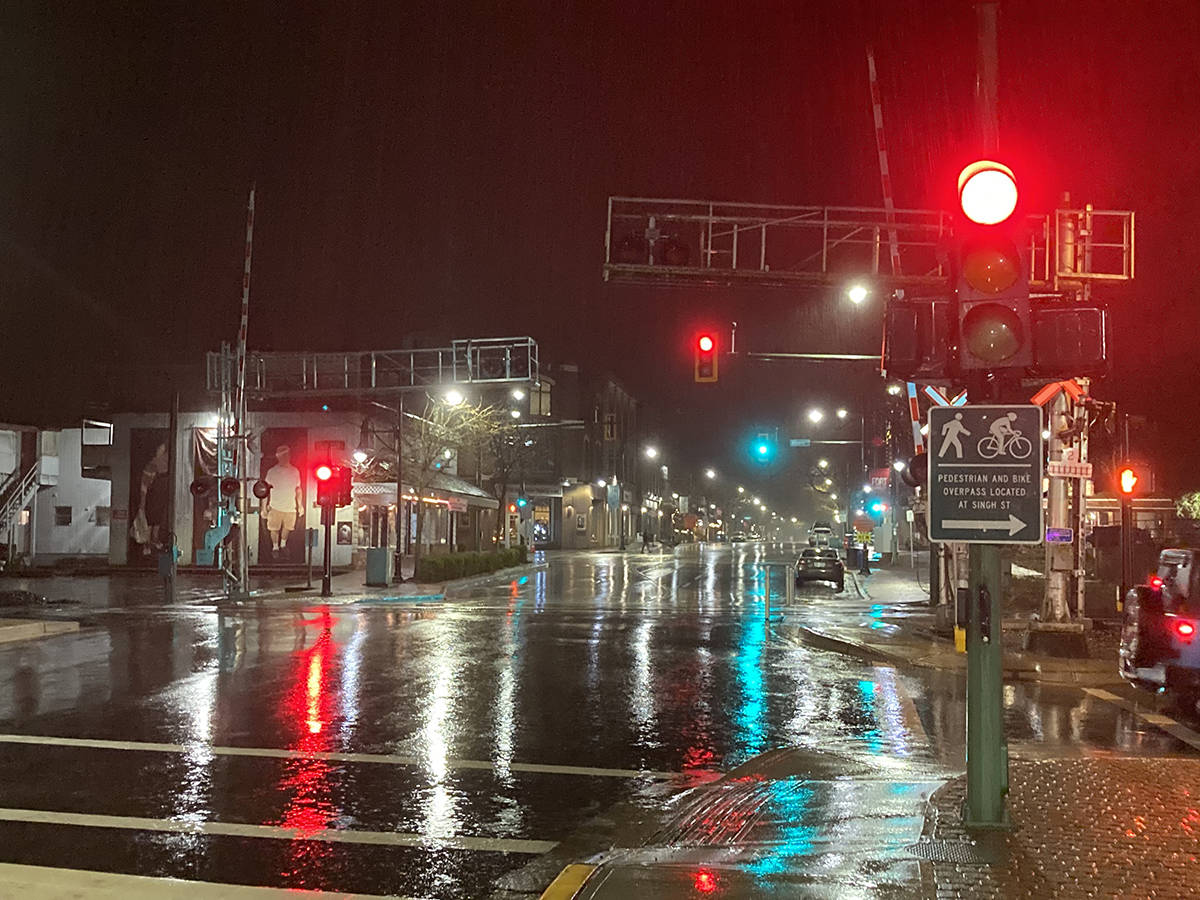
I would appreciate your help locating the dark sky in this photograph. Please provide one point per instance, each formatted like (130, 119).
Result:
(438, 170)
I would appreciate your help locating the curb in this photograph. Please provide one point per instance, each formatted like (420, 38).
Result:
(876, 655)
(568, 882)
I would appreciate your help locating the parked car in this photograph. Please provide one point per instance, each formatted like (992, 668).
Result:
(1159, 648)
(739, 537)
(822, 564)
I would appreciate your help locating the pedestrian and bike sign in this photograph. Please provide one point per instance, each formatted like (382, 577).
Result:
(985, 474)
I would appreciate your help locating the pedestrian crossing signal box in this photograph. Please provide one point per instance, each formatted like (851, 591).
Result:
(985, 474)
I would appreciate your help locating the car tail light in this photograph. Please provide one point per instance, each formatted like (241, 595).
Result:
(1156, 582)
(1185, 629)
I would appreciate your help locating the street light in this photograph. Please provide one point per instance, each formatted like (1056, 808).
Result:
(454, 397)
(828, 482)
(894, 389)
(710, 474)
(823, 463)
(518, 394)
(833, 496)
(866, 489)
(815, 416)
(756, 501)
(741, 490)
(360, 456)
(516, 413)
(898, 465)
(651, 452)
(842, 413)
(857, 293)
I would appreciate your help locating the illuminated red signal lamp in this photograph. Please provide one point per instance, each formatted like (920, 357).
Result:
(1185, 629)
(705, 882)
(705, 362)
(323, 472)
(987, 192)
(705, 343)
(1127, 479)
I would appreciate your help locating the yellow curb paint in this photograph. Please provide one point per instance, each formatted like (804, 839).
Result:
(568, 882)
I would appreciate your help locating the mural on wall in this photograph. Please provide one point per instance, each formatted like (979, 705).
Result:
(283, 517)
(148, 495)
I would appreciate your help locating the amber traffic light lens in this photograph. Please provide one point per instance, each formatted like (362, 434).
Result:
(992, 332)
(991, 268)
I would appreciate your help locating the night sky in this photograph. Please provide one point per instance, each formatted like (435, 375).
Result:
(429, 171)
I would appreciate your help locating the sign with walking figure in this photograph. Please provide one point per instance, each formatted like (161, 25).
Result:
(985, 474)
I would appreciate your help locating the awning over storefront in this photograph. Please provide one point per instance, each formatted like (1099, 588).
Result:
(443, 490)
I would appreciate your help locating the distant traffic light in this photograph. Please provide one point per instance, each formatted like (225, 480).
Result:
(763, 447)
(1127, 479)
(326, 488)
(705, 358)
(877, 508)
(991, 272)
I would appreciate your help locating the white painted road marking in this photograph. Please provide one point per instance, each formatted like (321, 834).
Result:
(1175, 729)
(370, 758)
(45, 881)
(276, 832)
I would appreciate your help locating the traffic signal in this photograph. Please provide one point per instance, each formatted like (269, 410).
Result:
(916, 472)
(762, 448)
(344, 493)
(991, 272)
(326, 488)
(877, 508)
(1127, 479)
(706, 358)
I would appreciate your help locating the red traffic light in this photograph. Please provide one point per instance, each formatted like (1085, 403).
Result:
(1127, 479)
(987, 192)
(705, 358)
(323, 472)
(705, 343)
(1185, 629)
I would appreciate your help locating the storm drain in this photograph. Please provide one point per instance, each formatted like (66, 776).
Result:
(962, 852)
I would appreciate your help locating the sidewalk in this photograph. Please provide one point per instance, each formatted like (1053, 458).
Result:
(1084, 828)
(888, 619)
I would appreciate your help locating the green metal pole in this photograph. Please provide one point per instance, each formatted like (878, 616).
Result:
(987, 752)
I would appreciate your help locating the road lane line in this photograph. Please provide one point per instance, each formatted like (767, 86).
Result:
(1175, 729)
(276, 832)
(370, 758)
(48, 881)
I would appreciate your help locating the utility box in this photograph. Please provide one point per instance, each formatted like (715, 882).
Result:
(379, 566)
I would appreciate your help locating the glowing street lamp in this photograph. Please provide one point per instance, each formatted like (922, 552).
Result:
(454, 397)
(710, 474)
(815, 416)
(857, 293)
(841, 413)
(823, 463)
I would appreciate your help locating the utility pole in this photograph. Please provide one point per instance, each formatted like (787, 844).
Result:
(1055, 607)
(987, 751)
(171, 561)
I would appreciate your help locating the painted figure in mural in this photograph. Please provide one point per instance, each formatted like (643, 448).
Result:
(284, 505)
(152, 504)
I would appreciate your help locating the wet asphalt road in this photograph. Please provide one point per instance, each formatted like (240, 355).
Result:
(438, 749)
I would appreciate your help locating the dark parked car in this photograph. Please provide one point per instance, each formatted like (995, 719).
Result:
(821, 565)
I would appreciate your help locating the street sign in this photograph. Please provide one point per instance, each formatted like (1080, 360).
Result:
(1058, 469)
(1060, 535)
(800, 442)
(985, 474)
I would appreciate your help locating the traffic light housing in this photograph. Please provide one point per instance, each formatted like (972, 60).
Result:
(705, 351)
(991, 273)
(326, 485)
(344, 494)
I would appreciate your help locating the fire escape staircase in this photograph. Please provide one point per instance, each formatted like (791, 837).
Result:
(16, 494)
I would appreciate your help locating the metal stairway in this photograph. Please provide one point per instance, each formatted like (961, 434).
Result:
(16, 494)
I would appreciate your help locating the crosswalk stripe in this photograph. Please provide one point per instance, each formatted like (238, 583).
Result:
(368, 758)
(46, 881)
(276, 832)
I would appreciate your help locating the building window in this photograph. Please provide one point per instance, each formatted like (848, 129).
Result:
(102, 515)
(62, 515)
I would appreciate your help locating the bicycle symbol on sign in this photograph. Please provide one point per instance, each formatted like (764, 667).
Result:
(1012, 444)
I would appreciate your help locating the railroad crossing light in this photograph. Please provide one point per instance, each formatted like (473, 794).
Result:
(991, 273)
(706, 358)
(1127, 479)
(326, 491)
(512, 507)
(262, 489)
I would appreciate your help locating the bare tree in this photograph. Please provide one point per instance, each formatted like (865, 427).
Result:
(513, 450)
(427, 437)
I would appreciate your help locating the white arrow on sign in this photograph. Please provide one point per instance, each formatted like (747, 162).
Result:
(1013, 524)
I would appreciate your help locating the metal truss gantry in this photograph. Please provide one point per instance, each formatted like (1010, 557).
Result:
(374, 372)
(711, 243)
